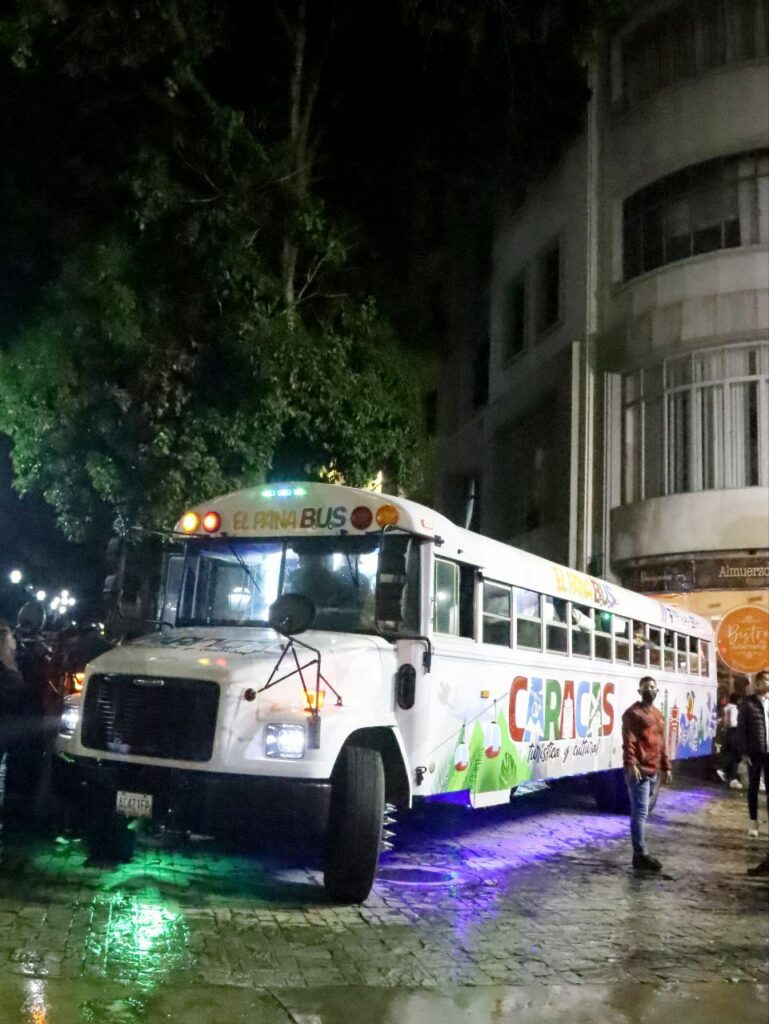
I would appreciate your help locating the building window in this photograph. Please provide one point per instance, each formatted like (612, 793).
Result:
(698, 422)
(515, 317)
(688, 39)
(549, 287)
(719, 204)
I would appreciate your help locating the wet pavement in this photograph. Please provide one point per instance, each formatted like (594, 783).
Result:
(526, 913)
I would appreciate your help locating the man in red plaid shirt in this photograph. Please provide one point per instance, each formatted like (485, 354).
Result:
(645, 758)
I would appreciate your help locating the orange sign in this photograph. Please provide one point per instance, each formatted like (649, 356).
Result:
(742, 639)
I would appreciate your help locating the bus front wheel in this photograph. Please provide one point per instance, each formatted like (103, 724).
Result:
(355, 824)
(109, 838)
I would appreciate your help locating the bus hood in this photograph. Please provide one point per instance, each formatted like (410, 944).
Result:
(236, 655)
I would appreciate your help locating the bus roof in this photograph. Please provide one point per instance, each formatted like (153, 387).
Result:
(304, 509)
(315, 509)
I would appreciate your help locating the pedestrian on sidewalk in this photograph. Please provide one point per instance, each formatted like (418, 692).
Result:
(646, 762)
(753, 743)
(730, 753)
(11, 698)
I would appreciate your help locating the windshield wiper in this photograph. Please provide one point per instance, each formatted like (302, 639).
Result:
(242, 564)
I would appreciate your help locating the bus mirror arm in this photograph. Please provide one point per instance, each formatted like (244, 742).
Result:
(427, 657)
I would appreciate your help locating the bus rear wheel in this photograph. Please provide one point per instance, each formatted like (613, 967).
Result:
(610, 791)
(356, 819)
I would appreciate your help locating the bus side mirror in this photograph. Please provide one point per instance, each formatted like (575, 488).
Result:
(391, 584)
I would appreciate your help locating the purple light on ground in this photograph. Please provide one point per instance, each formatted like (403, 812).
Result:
(498, 845)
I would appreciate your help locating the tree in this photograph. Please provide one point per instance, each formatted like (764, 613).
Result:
(192, 327)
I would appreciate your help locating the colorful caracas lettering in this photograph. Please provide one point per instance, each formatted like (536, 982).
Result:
(553, 727)
(290, 519)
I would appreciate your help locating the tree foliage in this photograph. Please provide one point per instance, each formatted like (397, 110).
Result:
(196, 329)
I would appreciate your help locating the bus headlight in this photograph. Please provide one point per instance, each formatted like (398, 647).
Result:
(70, 716)
(284, 741)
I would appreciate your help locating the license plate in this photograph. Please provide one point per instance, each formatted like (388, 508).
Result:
(134, 805)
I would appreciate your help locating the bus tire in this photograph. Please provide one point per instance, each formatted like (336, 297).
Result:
(356, 818)
(610, 791)
(110, 839)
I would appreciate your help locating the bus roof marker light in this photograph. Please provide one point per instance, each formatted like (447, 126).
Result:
(268, 493)
(299, 492)
(190, 522)
(360, 517)
(212, 521)
(387, 515)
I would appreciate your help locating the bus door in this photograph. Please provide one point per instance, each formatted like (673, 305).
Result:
(403, 561)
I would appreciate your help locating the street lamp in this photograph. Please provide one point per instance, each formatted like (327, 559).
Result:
(15, 575)
(40, 595)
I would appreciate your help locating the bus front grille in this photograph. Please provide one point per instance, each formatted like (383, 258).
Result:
(150, 716)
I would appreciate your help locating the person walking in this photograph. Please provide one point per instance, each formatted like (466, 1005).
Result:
(753, 744)
(11, 701)
(645, 760)
(730, 754)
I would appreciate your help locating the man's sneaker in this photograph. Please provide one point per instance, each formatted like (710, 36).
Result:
(753, 830)
(643, 862)
(721, 775)
(760, 869)
(735, 784)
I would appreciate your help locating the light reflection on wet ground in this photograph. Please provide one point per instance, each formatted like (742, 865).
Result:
(475, 911)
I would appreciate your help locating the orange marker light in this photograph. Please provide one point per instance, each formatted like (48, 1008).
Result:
(190, 522)
(387, 515)
(310, 695)
(211, 522)
(76, 682)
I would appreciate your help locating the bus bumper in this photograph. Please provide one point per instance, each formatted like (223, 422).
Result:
(206, 802)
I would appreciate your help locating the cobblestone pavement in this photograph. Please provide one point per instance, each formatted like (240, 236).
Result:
(527, 913)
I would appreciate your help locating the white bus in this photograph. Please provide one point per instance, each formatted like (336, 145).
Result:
(326, 644)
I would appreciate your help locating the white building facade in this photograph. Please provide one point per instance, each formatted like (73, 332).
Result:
(626, 427)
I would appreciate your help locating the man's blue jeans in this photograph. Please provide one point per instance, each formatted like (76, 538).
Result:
(640, 794)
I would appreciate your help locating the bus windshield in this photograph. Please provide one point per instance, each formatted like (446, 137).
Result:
(233, 582)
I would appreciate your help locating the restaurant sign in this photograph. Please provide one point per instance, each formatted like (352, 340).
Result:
(737, 573)
(742, 639)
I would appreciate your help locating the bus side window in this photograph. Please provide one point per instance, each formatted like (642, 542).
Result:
(497, 614)
(670, 650)
(693, 658)
(528, 619)
(681, 660)
(581, 629)
(468, 575)
(621, 639)
(655, 656)
(639, 642)
(453, 608)
(555, 609)
(446, 600)
(603, 631)
(704, 657)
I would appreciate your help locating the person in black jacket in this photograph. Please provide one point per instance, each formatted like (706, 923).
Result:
(753, 744)
(11, 700)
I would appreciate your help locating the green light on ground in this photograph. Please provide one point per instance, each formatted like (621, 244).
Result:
(137, 940)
